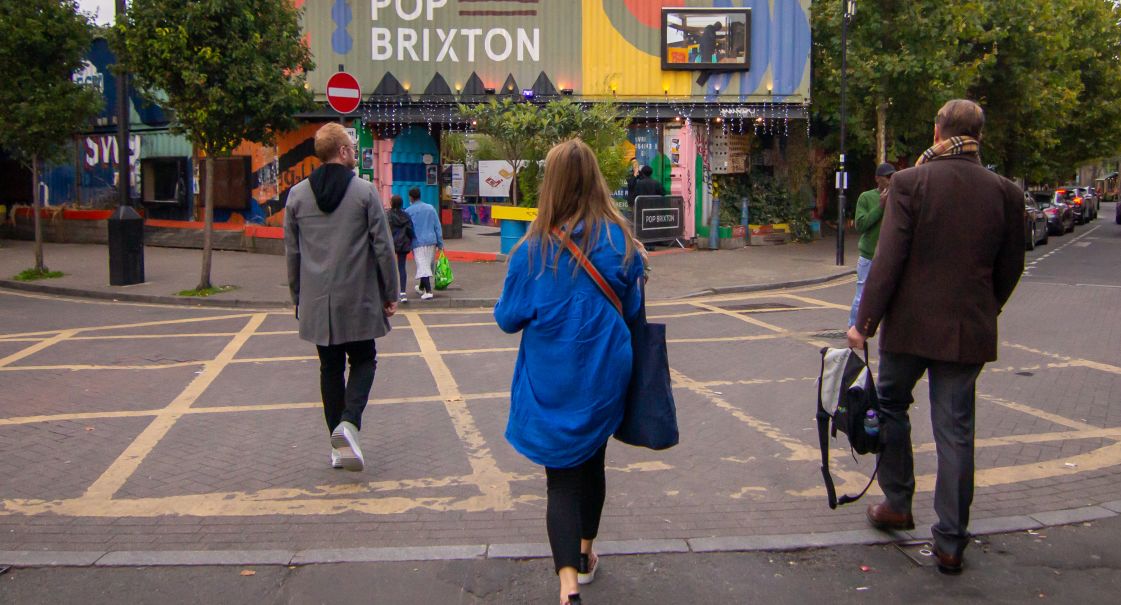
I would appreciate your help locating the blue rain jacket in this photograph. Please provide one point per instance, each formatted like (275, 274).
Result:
(426, 225)
(574, 362)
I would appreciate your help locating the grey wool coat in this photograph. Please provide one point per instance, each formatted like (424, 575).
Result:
(341, 265)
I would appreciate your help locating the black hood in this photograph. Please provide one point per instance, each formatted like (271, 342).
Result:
(329, 183)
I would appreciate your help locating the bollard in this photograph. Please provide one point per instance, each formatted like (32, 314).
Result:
(714, 226)
(126, 247)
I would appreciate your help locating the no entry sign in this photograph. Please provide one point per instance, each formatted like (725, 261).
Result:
(343, 93)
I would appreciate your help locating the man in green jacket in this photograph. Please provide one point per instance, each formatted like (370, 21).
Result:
(869, 213)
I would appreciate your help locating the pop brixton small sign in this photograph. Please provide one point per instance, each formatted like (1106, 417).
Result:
(343, 93)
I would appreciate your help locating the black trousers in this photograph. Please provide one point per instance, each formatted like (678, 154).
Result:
(345, 399)
(574, 507)
(952, 415)
(402, 274)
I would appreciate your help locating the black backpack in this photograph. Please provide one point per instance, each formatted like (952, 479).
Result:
(401, 242)
(847, 402)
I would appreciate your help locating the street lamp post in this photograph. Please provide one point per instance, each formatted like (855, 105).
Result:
(848, 8)
(126, 226)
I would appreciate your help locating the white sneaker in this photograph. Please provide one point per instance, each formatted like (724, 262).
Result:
(418, 290)
(336, 458)
(586, 572)
(426, 296)
(345, 440)
(402, 297)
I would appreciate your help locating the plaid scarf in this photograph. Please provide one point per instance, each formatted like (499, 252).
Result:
(950, 147)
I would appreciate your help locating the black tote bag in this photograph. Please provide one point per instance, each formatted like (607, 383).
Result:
(650, 415)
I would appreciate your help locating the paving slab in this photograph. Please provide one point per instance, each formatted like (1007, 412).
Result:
(54, 558)
(195, 557)
(407, 553)
(1073, 515)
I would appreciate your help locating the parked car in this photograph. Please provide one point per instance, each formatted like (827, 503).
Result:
(1035, 223)
(1060, 218)
(1092, 201)
(1082, 203)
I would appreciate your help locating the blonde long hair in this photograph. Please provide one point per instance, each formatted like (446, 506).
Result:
(573, 192)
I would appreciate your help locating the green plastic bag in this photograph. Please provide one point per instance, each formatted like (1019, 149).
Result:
(444, 276)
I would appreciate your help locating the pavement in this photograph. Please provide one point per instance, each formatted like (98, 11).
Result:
(1079, 563)
(261, 280)
(174, 448)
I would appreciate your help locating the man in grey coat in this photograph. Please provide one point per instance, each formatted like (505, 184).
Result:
(342, 272)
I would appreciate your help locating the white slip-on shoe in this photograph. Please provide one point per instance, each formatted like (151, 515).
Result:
(345, 439)
(336, 459)
(586, 572)
(426, 296)
(418, 289)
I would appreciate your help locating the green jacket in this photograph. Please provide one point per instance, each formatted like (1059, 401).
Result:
(869, 213)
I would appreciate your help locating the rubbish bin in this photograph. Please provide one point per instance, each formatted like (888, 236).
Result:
(126, 247)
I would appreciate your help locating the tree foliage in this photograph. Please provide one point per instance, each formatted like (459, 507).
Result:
(229, 70)
(525, 131)
(1044, 71)
(42, 43)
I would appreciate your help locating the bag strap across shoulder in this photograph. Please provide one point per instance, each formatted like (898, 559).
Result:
(594, 273)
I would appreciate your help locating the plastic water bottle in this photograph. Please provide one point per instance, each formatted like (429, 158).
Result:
(871, 423)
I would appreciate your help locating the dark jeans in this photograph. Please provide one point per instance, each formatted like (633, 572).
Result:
(952, 414)
(575, 504)
(401, 273)
(346, 399)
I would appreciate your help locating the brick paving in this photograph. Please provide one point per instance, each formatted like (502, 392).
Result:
(243, 465)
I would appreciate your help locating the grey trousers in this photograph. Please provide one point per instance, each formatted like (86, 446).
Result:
(952, 415)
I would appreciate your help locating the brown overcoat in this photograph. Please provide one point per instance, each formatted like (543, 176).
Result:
(951, 251)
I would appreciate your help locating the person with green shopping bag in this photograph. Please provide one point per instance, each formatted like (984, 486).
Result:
(428, 237)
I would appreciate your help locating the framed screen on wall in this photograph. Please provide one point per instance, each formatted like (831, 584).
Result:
(695, 39)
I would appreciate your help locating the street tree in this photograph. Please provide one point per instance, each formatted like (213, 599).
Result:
(512, 125)
(229, 70)
(524, 132)
(905, 58)
(1093, 129)
(1030, 89)
(42, 43)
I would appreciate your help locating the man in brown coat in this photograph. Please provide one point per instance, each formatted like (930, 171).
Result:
(951, 251)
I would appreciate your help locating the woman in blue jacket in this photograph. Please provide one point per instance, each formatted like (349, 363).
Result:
(574, 362)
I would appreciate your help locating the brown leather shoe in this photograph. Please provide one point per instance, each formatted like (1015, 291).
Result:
(881, 516)
(948, 564)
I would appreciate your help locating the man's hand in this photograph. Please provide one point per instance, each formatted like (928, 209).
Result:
(856, 339)
(390, 308)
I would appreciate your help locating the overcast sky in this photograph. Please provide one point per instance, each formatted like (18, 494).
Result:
(104, 9)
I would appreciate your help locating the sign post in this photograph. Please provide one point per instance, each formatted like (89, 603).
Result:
(343, 92)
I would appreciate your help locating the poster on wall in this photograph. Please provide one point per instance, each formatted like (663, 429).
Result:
(673, 145)
(645, 145)
(431, 174)
(367, 159)
(457, 182)
(495, 177)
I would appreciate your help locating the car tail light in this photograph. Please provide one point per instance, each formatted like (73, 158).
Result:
(1060, 191)
(1077, 201)
(1050, 211)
